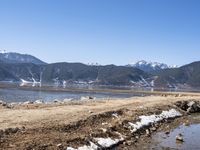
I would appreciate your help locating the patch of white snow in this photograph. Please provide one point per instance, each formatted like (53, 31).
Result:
(107, 142)
(92, 146)
(148, 120)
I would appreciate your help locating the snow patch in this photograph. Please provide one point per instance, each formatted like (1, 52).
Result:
(38, 102)
(3, 51)
(25, 82)
(143, 80)
(154, 65)
(92, 146)
(102, 142)
(148, 120)
(107, 142)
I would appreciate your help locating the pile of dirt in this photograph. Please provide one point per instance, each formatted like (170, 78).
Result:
(111, 124)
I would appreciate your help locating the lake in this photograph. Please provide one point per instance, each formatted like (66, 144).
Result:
(22, 95)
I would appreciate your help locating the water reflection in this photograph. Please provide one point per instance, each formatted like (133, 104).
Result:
(19, 95)
(191, 136)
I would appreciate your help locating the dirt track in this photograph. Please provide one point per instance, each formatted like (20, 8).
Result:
(46, 126)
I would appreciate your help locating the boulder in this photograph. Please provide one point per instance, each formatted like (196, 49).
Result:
(179, 138)
(189, 106)
(182, 105)
(193, 107)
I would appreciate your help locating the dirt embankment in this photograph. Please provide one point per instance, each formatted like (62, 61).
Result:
(74, 124)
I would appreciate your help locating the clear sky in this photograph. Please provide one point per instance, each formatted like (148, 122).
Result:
(103, 31)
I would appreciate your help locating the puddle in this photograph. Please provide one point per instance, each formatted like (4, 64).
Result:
(191, 136)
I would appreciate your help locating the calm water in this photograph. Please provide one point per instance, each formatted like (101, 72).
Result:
(18, 95)
(191, 136)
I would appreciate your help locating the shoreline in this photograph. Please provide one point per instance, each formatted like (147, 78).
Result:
(99, 90)
(69, 124)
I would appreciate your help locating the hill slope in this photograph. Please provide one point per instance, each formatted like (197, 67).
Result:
(77, 72)
(185, 75)
(20, 71)
(19, 58)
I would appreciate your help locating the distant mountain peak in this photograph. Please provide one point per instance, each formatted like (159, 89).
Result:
(149, 66)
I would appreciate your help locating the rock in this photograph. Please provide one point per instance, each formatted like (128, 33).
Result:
(27, 102)
(56, 101)
(23, 127)
(179, 138)
(153, 129)
(104, 130)
(115, 115)
(1, 102)
(87, 98)
(8, 106)
(156, 125)
(104, 123)
(90, 97)
(4, 104)
(60, 146)
(1, 133)
(137, 137)
(193, 106)
(190, 104)
(190, 107)
(11, 130)
(90, 111)
(147, 132)
(129, 143)
(190, 110)
(186, 123)
(167, 132)
(182, 105)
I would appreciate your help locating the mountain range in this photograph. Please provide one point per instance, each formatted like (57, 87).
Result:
(27, 69)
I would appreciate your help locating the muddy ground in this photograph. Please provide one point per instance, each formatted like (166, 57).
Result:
(73, 124)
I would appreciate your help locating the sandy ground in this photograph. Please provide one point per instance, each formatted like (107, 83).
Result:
(45, 126)
(37, 115)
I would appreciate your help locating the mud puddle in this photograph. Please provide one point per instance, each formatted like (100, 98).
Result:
(190, 134)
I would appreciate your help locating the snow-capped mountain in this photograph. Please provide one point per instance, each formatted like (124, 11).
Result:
(12, 57)
(150, 66)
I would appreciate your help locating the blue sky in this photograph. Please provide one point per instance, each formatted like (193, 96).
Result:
(103, 31)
